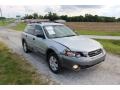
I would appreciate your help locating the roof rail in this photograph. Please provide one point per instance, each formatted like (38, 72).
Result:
(60, 21)
(36, 20)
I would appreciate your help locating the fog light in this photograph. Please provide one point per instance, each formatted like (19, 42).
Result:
(75, 66)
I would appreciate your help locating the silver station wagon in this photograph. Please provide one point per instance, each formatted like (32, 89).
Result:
(61, 46)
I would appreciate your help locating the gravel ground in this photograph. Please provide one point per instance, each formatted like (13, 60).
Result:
(108, 72)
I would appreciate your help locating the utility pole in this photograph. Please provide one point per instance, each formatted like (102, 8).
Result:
(1, 12)
(1, 15)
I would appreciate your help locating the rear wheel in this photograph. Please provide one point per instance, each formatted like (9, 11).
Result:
(54, 63)
(25, 47)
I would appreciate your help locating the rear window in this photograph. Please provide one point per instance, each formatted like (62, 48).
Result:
(30, 29)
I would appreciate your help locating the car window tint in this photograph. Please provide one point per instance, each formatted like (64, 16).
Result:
(30, 29)
(38, 27)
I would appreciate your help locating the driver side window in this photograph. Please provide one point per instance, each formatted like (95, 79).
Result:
(38, 27)
(39, 31)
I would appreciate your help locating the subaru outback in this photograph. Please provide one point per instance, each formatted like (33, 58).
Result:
(62, 47)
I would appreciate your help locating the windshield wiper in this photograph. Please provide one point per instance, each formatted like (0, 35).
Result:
(57, 37)
(69, 35)
(64, 36)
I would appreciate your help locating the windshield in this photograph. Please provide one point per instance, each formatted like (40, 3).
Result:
(58, 31)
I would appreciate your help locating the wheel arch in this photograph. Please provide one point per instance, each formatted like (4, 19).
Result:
(23, 40)
(51, 50)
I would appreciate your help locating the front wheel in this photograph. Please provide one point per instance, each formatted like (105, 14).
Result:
(25, 47)
(54, 63)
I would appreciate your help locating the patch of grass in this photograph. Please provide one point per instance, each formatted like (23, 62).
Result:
(93, 32)
(20, 26)
(112, 46)
(96, 28)
(4, 23)
(15, 70)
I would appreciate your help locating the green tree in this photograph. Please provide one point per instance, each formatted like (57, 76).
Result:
(35, 15)
(51, 16)
(64, 17)
(118, 19)
(87, 18)
(28, 16)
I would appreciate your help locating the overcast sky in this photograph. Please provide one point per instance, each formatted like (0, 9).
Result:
(71, 10)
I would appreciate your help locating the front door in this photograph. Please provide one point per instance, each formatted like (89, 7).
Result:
(39, 42)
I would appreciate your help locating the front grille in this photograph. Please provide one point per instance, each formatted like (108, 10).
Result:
(95, 52)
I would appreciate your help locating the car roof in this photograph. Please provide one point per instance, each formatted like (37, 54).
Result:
(45, 23)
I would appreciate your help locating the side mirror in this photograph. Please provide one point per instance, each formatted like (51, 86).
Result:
(77, 32)
(40, 36)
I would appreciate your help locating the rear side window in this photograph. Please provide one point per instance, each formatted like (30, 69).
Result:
(30, 29)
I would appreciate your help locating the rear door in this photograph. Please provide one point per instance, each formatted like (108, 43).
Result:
(30, 29)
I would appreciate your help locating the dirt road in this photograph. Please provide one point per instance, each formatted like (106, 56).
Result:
(107, 72)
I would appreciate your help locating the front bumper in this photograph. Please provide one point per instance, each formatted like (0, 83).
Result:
(83, 62)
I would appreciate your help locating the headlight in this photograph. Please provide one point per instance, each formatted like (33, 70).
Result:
(70, 53)
(75, 54)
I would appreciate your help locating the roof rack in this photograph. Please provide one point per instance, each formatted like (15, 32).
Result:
(59, 21)
(28, 21)
(36, 20)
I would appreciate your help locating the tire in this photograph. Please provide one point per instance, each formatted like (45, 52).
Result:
(25, 47)
(54, 64)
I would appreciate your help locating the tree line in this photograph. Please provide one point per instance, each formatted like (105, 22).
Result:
(2, 18)
(80, 18)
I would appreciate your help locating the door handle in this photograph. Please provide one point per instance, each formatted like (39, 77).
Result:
(33, 38)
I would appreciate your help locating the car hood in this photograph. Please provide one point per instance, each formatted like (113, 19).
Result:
(79, 43)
